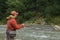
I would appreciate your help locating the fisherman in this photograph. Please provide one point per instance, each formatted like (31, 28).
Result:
(12, 26)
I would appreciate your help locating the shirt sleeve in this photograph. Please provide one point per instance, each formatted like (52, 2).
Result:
(14, 23)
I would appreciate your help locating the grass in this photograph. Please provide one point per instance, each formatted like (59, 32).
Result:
(39, 20)
(43, 21)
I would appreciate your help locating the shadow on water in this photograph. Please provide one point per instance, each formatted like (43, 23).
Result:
(33, 33)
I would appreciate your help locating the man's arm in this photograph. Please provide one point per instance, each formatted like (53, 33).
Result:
(14, 23)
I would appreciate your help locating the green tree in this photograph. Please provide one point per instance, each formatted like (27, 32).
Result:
(3, 8)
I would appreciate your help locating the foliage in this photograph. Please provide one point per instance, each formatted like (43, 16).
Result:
(28, 9)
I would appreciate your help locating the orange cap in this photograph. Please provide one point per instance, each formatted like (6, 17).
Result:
(14, 12)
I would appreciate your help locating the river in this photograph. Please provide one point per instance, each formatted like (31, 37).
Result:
(33, 33)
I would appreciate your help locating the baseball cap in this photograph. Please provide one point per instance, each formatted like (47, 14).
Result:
(14, 13)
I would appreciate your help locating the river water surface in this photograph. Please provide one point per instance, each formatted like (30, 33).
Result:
(33, 33)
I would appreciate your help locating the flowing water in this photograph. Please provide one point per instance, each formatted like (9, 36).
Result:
(33, 33)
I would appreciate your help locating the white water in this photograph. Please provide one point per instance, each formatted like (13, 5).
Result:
(32, 33)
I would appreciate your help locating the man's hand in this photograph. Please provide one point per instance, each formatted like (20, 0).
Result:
(23, 24)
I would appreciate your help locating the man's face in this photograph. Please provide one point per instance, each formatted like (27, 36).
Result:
(15, 16)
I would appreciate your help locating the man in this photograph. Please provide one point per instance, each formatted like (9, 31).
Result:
(12, 26)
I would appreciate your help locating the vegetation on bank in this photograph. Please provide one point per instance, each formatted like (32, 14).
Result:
(31, 11)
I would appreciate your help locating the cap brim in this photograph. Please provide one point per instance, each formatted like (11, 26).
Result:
(16, 13)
